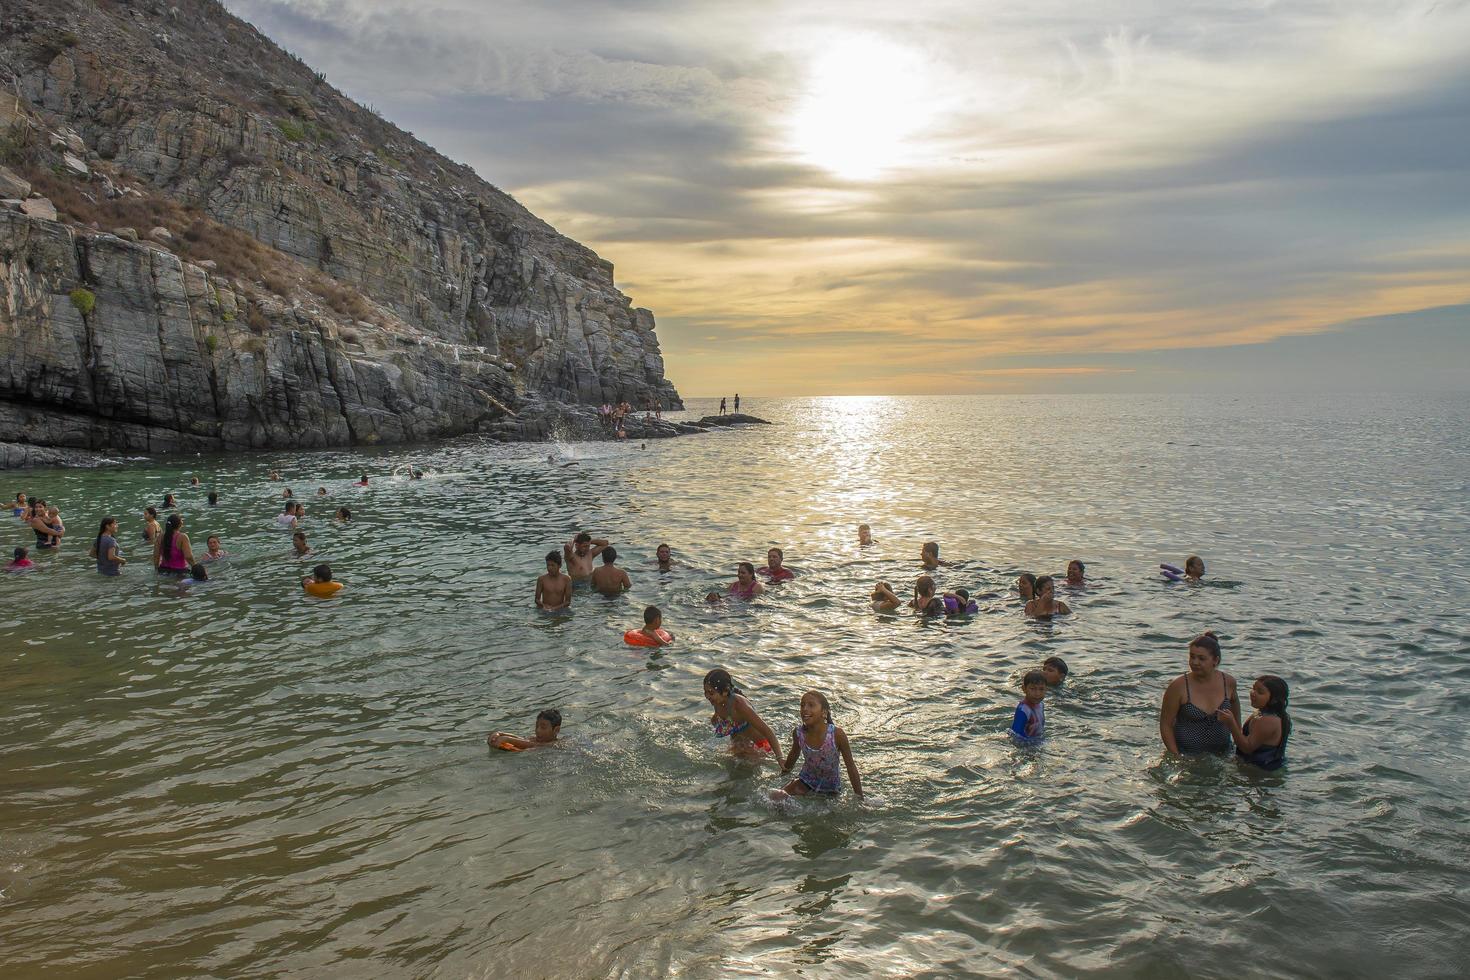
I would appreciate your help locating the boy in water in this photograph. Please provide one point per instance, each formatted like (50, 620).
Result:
(579, 553)
(1029, 722)
(653, 627)
(554, 589)
(865, 534)
(1055, 670)
(610, 579)
(929, 556)
(548, 727)
(665, 558)
(22, 561)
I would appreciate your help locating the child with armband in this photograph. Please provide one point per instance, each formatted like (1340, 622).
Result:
(548, 727)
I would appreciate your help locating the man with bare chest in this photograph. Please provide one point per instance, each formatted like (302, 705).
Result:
(579, 553)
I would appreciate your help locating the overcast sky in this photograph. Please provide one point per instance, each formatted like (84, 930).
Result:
(866, 197)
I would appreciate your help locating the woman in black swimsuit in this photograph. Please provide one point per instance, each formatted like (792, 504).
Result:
(1187, 722)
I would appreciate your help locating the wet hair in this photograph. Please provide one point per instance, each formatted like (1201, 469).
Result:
(151, 512)
(583, 538)
(1081, 568)
(1194, 560)
(20, 553)
(661, 547)
(213, 537)
(170, 528)
(213, 498)
(344, 513)
(1058, 663)
(101, 530)
(301, 535)
(1277, 705)
(930, 548)
(1028, 578)
(322, 573)
(554, 558)
(301, 509)
(1207, 641)
(651, 615)
(552, 716)
(321, 491)
(924, 586)
(1039, 586)
(964, 596)
(864, 527)
(19, 497)
(609, 555)
(364, 478)
(779, 553)
(288, 507)
(746, 566)
(168, 500)
(720, 681)
(199, 572)
(826, 705)
(1033, 677)
(286, 493)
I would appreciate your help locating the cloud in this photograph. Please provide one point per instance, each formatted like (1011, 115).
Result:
(1113, 179)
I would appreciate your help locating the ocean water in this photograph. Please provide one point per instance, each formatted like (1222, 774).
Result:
(235, 780)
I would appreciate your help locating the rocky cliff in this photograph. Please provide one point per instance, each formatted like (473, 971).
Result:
(203, 245)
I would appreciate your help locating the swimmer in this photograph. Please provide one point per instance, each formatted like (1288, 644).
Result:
(320, 582)
(299, 545)
(959, 603)
(884, 598)
(554, 589)
(418, 474)
(275, 475)
(664, 558)
(865, 534)
(745, 585)
(1055, 671)
(151, 530)
(216, 549)
(287, 517)
(321, 491)
(1193, 570)
(819, 769)
(548, 727)
(610, 579)
(1029, 723)
(1026, 586)
(653, 633)
(300, 512)
(21, 561)
(286, 493)
(168, 501)
(344, 515)
(925, 602)
(171, 552)
(579, 553)
(929, 555)
(1262, 740)
(773, 570)
(213, 498)
(1044, 604)
(104, 549)
(364, 481)
(20, 506)
(1076, 574)
(194, 481)
(197, 574)
(734, 718)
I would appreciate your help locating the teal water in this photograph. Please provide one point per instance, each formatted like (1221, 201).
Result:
(236, 780)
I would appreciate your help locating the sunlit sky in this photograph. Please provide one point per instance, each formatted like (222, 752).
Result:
(866, 197)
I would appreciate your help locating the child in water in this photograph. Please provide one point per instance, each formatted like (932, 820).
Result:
(548, 727)
(299, 545)
(319, 583)
(925, 602)
(653, 622)
(1044, 604)
(197, 573)
(1262, 740)
(734, 718)
(1029, 723)
(1055, 671)
(554, 589)
(865, 534)
(819, 742)
(1193, 570)
(216, 550)
(1026, 586)
(21, 561)
(884, 598)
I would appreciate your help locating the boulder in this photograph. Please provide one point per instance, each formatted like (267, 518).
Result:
(131, 234)
(39, 207)
(13, 184)
(160, 234)
(76, 164)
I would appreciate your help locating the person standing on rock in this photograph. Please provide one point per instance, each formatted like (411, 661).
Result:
(737, 403)
(722, 406)
(579, 553)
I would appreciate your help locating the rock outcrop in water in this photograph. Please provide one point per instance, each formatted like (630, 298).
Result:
(204, 246)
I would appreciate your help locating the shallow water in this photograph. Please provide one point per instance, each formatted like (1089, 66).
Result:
(235, 779)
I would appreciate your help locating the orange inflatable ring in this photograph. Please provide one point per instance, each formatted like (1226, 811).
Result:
(638, 638)
(323, 590)
(507, 747)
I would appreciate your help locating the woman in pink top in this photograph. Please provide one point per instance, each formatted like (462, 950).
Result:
(171, 552)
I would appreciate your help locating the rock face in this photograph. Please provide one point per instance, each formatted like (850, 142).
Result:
(402, 297)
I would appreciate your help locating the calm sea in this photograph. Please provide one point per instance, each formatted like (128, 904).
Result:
(235, 780)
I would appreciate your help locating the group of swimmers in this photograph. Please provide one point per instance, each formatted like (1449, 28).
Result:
(173, 553)
(1185, 727)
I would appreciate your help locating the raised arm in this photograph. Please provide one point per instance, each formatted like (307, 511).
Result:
(853, 776)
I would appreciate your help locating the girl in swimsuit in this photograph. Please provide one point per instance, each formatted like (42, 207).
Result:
(150, 525)
(734, 718)
(820, 743)
(1044, 604)
(1185, 726)
(925, 602)
(1262, 741)
(1026, 586)
(745, 585)
(171, 552)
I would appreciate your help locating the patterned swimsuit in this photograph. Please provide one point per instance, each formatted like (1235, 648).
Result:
(1195, 731)
(819, 770)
